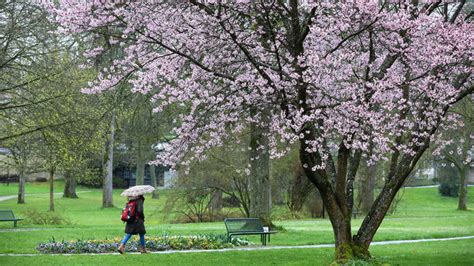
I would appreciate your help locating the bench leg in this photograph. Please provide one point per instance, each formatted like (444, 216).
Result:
(14, 223)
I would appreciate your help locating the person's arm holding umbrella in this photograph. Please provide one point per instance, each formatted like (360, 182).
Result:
(140, 202)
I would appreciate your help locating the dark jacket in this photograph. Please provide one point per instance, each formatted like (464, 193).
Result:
(137, 226)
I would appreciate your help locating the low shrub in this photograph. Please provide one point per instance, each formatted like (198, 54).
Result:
(9, 178)
(215, 217)
(448, 190)
(231, 202)
(36, 217)
(155, 243)
(89, 177)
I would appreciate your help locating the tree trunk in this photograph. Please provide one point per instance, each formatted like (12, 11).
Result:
(463, 188)
(375, 217)
(346, 247)
(464, 171)
(215, 204)
(52, 170)
(21, 187)
(259, 179)
(367, 186)
(278, 194)
(154, 182)
(382, 203)
(315, 204)
(140, 173)
(107, 199)
(69, 185)
(340, 217)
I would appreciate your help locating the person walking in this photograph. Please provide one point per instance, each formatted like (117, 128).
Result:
(135, 225)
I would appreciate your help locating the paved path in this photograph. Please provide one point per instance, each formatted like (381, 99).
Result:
(3, 198)
(394, 242)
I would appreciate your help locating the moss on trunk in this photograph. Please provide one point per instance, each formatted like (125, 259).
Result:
(349, 251)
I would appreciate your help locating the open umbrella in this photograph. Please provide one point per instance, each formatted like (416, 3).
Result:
(137, 190)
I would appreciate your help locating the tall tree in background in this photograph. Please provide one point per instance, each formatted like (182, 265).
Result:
(334, 76)
(75, 116)
(53, 117)
(108, 164)
(221, 174)
(142, 132)
(40, 93)
(457, 157)
(23, 38)
(113, 102)
(22, 150)
(259, 170)
(367, 180)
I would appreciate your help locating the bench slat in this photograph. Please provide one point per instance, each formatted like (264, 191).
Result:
(8, 216)
(243, 225)
(246, 226)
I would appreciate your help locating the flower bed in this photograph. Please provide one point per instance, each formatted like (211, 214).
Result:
(155, 243)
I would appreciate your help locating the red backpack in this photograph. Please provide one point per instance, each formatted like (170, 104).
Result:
(129, 213)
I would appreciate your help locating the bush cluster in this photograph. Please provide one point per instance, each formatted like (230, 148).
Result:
(36, 217)
(156, 243)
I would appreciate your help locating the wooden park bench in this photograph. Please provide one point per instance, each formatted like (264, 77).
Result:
(247, 226)
(8, 216)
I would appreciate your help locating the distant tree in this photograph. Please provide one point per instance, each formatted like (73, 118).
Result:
(25, 38)
(144, 131)
(108, 163)
(448, 179)
(78, 119)
(292, 183)
(456, 152)
(66, 122)
(222, 174)
(21, 156)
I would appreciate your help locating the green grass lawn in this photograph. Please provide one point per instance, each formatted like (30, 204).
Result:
(434, 253)
(31, 188)
(421, 214)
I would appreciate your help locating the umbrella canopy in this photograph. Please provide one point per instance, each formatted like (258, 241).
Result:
(137, 190)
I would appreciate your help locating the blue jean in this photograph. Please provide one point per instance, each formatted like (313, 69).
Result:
(127, 237)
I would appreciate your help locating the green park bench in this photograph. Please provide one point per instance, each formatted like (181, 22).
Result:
(8, 216)
(356, 212)
(247, 226)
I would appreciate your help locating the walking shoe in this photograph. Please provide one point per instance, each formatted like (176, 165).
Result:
(121, 249)
(143, 250)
